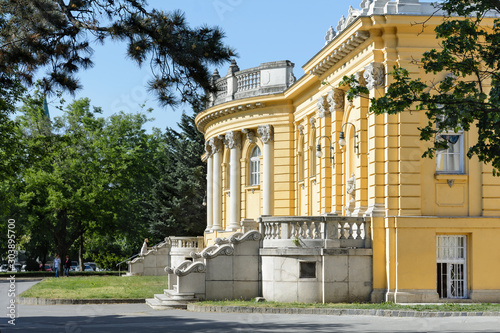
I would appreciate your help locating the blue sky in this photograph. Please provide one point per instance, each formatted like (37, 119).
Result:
(259, 30)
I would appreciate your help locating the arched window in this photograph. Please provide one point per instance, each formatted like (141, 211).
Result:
(255, 166)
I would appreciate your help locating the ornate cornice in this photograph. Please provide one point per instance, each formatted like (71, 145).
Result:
(340, 52)
(221, 112)
(266, 133)
(374, 75)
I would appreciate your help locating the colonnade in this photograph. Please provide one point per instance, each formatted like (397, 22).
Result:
(232, 140)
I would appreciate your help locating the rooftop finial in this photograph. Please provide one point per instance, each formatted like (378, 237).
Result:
(233, 67)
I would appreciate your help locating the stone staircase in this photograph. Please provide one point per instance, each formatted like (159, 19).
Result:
(227, 270)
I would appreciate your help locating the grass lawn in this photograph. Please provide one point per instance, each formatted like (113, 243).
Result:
(85, 287)
(377, 306)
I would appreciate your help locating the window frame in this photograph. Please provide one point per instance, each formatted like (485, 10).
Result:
(253, 161)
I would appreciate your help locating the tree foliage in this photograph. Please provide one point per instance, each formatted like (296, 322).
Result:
(469, 94)
(178, 184)
(56, 35)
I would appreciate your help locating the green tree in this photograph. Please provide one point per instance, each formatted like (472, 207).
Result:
(82, 174)
(178, 184)
(469, 96)
(56, 35)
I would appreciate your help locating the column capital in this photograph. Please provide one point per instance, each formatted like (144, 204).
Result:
(215, 145)
(250, 134)
(323, 111)
(208, 149)
(374, 75)
(266, 133)
(301, 129)
(312, 121)
(335, 99)
(233, 139)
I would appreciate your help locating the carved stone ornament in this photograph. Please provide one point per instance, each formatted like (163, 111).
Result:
(322, 110)
(291, 79)
(351, 190)
(215, 251)
(266, 133)
(186, 267)
(215, 144)
(330, 35)
(360, 78)
(239, 237)
(208, 148)
(233, 139)
(250, 135)
(301, 129)
(335, 99)
(374, 75)
(313, 122)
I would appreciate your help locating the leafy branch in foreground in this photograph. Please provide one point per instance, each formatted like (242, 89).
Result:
(56, 35)
(468, 93)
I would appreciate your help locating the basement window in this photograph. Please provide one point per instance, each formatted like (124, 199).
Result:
(307, 270)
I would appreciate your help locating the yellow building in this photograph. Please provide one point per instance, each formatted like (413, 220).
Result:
(431, 225)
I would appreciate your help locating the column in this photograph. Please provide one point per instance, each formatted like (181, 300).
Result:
(266, 134)
(210, 188)
(216, 145)
(233, 142)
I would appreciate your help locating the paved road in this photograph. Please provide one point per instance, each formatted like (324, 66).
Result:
(140, 318)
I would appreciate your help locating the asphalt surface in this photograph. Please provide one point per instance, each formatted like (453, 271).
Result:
(140, 318)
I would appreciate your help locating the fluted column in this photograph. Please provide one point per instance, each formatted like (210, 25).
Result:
(210, 188)
(233, 142)
(266, 135)
(216, 145)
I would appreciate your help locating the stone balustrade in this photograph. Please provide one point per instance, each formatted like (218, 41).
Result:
(186, 242)
(268, 78)
(315, 231)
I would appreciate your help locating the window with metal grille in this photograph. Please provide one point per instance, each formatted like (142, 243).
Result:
(255, 166)
(452, 266)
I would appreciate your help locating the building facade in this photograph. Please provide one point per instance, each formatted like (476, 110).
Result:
(293, 157)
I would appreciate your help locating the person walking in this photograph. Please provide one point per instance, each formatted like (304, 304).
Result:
(67, 266)
(57, 264)
(144, 248)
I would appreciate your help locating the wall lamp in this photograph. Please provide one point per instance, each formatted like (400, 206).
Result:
(204, 203)
(319, 153)
(342, 137)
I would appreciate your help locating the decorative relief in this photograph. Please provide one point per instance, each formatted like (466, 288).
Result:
(233, 139)
(215, 251)
(322, 109)
(187, 267)
(250, 135)
(330, 35)
(301, 129)
(312, 121)
(208, 149)
(266, 133)
(359, 76)
(239, 237)
(291, 79)
(215, 145)
(351, 16)
(335, 99)
(374, 75)
(351, 191)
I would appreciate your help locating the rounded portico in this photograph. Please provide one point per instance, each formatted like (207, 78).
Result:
(246, 117)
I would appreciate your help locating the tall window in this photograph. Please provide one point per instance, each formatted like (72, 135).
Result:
(451, 266)
(451, 160)
(312, 154)
(255, 166)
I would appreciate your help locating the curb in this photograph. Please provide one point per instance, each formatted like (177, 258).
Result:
(336, 312)
(53, 301)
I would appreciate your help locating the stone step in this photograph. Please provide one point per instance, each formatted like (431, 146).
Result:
(173, 294)
(158, 305)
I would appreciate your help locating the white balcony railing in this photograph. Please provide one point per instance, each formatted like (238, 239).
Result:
(342, 231)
